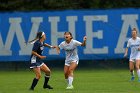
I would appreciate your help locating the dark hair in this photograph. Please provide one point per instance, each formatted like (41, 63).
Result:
(69, 33)
(134, 29)
(38, 37)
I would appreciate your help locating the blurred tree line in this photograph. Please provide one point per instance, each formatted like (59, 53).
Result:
(35, 5)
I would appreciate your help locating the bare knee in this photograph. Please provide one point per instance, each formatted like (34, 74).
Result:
(66, 75)
(48, 72)
(70, 72)
(137, 67)
(38, 76)
(66, 71)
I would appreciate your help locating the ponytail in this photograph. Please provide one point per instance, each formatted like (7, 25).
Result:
(38, 36)
(33, 41)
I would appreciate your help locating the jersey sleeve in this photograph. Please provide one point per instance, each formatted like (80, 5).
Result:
(128, 44)
(61, 46)
(36, 46)
(77, 43)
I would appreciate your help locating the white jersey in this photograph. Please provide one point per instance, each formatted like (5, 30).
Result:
(70, 50)
(134, 45)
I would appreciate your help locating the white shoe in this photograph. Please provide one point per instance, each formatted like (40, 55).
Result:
(70, 87)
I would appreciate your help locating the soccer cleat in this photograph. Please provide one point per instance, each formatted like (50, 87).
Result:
(70, 87)
(31, 89)
(48, 87)
(132, 78)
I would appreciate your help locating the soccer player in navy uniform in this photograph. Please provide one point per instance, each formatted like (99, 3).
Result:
(36, 60)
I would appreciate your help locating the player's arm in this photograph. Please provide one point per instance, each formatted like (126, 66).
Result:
(138, 48)
(34, 51)
(126, 51)
(84, 41)
(50, 46)
(57, 49)
(36, 54)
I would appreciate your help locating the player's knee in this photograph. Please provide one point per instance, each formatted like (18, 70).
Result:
(66, 74)
(48, 73)
(137, 67)
(70, 71)
(131, 70)
(38, 76)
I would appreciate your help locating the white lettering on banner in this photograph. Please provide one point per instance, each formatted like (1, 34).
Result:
(90, 34)
(128, 21)
(54, 29)
(27, 48)
(15, 28)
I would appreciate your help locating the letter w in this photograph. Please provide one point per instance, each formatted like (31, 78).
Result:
(15, 29)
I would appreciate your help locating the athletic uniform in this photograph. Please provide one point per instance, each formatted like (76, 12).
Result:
(134, 45)
(71, 51)
(35, 61)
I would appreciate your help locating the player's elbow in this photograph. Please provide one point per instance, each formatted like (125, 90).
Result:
(33, 52)
(83, 45)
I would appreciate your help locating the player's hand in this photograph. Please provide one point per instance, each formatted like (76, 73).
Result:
(42, 57)
(138, 49)
(57, 49)
(85, 38)
(53, 47)
(125, 55)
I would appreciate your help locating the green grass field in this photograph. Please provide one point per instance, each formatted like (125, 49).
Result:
(86, 81)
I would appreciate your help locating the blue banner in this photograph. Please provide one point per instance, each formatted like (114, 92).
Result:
(107, 32)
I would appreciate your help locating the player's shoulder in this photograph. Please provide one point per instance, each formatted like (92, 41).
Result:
(130, 39)
(63, 42)
(138, 38)
(73, 40)
(37, 42)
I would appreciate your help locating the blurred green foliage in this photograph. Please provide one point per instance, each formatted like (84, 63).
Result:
(40, 5)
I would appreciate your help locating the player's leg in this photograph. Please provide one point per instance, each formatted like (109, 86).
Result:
(72, 67)
(138, 69)
(66, 72)
(35, 80)
(131, 68)
(47, 72)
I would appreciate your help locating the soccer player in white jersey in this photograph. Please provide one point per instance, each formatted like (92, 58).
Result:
(72, 59)
(134, 60)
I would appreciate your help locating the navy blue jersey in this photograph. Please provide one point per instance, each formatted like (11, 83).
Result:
(37, 47)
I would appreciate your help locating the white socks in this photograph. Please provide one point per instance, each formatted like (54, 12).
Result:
(70, 80)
